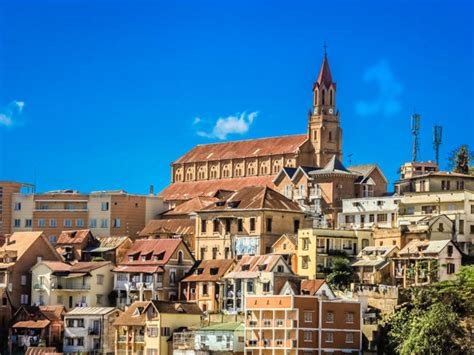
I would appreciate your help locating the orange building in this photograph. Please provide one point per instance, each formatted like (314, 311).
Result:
(293, 324)
(7, 189)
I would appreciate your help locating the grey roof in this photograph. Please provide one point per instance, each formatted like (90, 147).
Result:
(90, 311)
(424, 246)
(334, 166)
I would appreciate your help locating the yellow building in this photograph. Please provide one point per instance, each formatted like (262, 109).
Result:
(317, 248)
(146, 327)
(247, 222)
(287, 246)
(82, 284)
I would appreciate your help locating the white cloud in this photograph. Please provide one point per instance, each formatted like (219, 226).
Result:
(237, 124)
(196, 120)
(10, 112)
(387, 101)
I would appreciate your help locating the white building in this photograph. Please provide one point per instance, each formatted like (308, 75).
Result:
(365, 212)
(90, 330)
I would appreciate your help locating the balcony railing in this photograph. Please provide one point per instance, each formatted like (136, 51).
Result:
(139, 338)
(67, 286)
(38, 287)
(122, 338)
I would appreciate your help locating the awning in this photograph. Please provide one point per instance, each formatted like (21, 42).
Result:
(35, 324)
(147, 269)
(74, 275)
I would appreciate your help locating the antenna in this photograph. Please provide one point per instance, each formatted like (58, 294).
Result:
(415, 130)
(350, 158)
(437, 139)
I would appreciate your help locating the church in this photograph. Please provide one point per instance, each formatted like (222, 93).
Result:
(209, 168)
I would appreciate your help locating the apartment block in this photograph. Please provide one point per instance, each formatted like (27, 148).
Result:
(295, 324)
(105, 213)
(7, 190)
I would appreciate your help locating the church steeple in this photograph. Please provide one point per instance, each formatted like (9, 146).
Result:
(324, 131)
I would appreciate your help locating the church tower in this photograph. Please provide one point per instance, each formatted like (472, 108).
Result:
(324, 131)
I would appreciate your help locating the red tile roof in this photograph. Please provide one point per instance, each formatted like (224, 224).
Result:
(244, 149)
(210, 270)
(193, 205)
(82, 266)
(255, 197)
(312, 286)
(182, 226)
(188, 190)
(73, 237)
(325, 76)
(53, 312)
(163, 248)
(35, 324)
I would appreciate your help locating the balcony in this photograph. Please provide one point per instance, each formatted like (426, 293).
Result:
(94, 331)
(139, 338)
(70, 287)
(38, 287)
(314, 193)
(122, 338)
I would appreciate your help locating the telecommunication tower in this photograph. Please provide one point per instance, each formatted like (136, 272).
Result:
(437, 139)
(415, 130)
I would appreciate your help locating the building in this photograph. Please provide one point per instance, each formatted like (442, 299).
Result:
(247, 222)
(152, 269)
(71, 243)
(420, 263)
(296, 324)
(184, 229)
(321, 190)
(287, 246)
(255, 275)
(318, 247)
(7, 189)
(413, 169)
(34, 326)
(436, 227)
(111, 249)
(80, 284)
(148, 327)
(105, 213)
(208, 168)
(373, 265)
(204, 286)
(369, 212)
(18, 254)
(435, 182)
(316, 287)
(457, 205)
(220, 338)
(89, 330)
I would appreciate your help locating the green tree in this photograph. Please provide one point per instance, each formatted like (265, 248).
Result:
(460, 158)
(342, 274)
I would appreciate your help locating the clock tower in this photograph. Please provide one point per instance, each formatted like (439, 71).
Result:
(324, 131)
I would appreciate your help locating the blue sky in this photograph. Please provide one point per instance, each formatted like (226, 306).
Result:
(105, 94)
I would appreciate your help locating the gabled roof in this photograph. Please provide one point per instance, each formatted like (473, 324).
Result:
(255, 198)
(182, 226)
(161, 248)
(91, 311)
(195, 204)
(53, 313)
(364, 172)
(169, 307)
(292, 238)
(251, 266)
(209, 188)
(285, 171)
(81, 266)
(224, 327)
(424, 247)
(133, 315)
(311, 286)
(73, 237)
(334, 166)
(210, 270)
(244, 149)
(20, 242)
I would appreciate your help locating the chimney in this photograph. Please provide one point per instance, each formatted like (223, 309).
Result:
(152, 190)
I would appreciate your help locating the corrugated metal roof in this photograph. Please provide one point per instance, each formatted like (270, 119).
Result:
(90, 311)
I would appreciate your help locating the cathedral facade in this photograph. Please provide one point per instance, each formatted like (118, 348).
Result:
(230, 165)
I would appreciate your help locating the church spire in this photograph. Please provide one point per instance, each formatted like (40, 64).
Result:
(324, 76)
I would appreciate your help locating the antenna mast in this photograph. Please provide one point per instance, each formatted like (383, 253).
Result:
(415, 130)
(437, 139)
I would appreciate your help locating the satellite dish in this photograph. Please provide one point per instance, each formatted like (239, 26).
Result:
(331, 111)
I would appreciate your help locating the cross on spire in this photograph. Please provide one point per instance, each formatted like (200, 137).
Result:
(325, 47)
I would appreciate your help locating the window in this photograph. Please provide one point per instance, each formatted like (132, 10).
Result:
(93, 223)
(350, 317)
(104, 223)
(252, 224)
(304, 262)
(269, 225)
(205, 291)
(28, 223)
(24, 299)
(80, 341)
(329, 337)
(226, 252)
(203, 253)
(240, 225)
(266, 287)
(215, 226)
(152, 332)
(99, 299)
(172, 277)
(165, 332)
(67, 223)
(104, 206)
(296, 225)
(17, 223)
(17, 206)
(100, 279)
(59, 299)
(227, 225)
(330, 136)
(117, 223)
(349, 337)
(330, 317)
(70, 341)
(382, 217)
(305, 243)
(308, 317)
(451, 268)
(461, 226)
(23, 280)
(214, 253)
(41, 222)
(79, 222)
(308, 336)
(180, 257)
(250, 286)
(472, 228)
(323, 94)
(428, 209)
(349, 219)
(203, 226)
(440, 227)
(472, 209)
(371, 218)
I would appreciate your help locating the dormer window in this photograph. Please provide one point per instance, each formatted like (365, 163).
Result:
(199, 271)
(245, 267)
(159, 256)
(262, 267)
(214, 271)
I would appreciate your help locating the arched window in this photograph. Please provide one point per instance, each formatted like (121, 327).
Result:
(330, 97)
(180, 257)
(315, 97)
(323, 93)
(330, 136)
